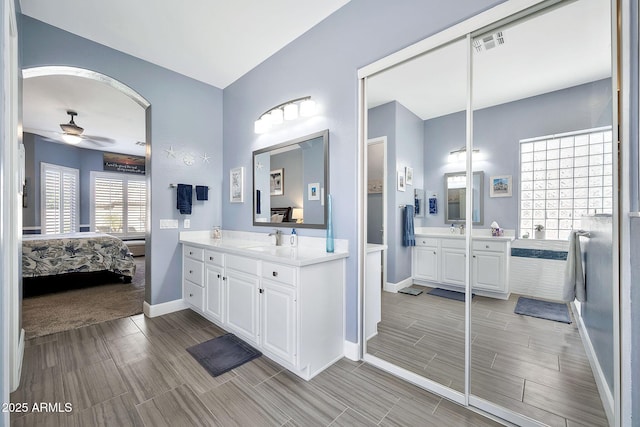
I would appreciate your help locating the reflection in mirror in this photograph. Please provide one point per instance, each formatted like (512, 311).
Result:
(456, 193)
(290, 181)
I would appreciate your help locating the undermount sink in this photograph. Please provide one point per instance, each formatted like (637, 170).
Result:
(273, 250)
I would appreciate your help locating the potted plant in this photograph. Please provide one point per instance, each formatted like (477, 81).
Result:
(539, 232)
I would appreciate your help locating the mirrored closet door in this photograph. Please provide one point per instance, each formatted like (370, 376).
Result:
(500, 153)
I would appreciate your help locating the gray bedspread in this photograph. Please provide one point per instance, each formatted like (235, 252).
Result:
(46, 255)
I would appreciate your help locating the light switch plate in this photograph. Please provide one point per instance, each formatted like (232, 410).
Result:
(187, 223)
(168, 223)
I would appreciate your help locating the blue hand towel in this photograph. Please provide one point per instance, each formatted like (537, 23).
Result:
(433, 206)
(408, 234)
(185, 196)
(202, 192)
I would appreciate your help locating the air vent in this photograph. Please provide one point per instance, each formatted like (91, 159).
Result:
(488, 42)
(141, 143)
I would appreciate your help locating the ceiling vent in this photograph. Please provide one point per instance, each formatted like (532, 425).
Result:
(141, 143)
(488, 42)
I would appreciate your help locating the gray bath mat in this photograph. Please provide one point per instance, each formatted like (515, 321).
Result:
(223, 353)
(410, 291)
(444, 293)
(556, 311)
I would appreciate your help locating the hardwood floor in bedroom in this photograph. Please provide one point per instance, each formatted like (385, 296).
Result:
(533, 366)
(136, 371)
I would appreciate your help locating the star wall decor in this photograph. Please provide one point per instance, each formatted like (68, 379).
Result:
(259, 166)
(205, 158)
(170, 152)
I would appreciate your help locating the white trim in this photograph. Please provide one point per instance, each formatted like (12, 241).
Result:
(501, 414)
(20, 353)
(598, 374)
(395, 287)
(457, 31)
(62, 170)
(415, 379)
(352, 350)
(32, 227)
(161, 309)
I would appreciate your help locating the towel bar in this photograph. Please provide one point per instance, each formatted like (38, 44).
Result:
(176, 186)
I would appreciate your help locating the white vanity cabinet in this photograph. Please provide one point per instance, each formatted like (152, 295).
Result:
(293, 311)
(441, 261)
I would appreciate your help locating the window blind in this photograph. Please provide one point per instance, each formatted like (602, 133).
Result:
(59, 199)
(119, 204)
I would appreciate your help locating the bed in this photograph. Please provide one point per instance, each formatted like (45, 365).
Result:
(47, 255)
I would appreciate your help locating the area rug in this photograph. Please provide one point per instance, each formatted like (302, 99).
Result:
(444, 293)
(82, 300)
(558, 312)
(223, 354)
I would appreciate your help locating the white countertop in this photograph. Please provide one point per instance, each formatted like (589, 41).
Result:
(298, 256)
(477, 234)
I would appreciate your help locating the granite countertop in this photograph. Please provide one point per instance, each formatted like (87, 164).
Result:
(298, 256)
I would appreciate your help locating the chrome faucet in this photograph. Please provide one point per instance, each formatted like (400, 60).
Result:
(461, 228)
(278, 235)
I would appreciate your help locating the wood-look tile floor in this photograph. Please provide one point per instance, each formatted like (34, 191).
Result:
(532, 366)
(135, 371)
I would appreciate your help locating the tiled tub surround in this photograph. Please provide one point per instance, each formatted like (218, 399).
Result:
(286, 301)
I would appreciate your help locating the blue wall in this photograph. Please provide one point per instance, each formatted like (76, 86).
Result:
(497, 131)
(323, 63)
(185, 114)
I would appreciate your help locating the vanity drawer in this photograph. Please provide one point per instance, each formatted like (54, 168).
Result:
(193, 271)
(193, 294)
(426, 241)
(456, 243)
(193, 252)
(486, 245)
(215, 258)
(246, 265)
(278, 272)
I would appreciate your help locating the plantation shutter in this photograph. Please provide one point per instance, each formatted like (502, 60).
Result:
(59, 199)
(119, 204)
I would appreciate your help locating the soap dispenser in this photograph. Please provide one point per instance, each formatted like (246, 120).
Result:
(293, 240)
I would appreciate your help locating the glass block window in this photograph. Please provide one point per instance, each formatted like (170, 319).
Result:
(563, 178)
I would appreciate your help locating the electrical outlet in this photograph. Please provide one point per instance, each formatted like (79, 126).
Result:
(187, 223)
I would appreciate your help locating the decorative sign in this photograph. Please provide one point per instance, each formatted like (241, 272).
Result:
(123, 163)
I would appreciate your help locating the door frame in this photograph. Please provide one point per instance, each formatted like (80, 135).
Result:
(385, 196)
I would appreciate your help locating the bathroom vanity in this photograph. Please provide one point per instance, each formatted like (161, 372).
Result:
(439, 260)
(287, 302)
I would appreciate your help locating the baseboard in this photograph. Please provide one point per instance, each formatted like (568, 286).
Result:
(395, 287)
(163, 308)
(601, 382)
(351, 350)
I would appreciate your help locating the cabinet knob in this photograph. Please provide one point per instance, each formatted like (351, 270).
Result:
(261, 291)
(487, 246)
(424, 242)
(474, 256)
(218, 276)
(434, 252)
(190, 253)
(224, 278)
(190, 271)
(275, 274)
(210, 258)
(190, 295)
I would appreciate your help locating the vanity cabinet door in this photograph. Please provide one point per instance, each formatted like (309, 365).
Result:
(214, 300)
(279, 320)
(488, 271)
(453, 266)
(242, 304)
(425, 263)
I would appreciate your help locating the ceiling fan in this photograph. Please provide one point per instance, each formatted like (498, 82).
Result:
(73, 134)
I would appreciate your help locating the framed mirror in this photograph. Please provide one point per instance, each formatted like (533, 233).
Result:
(291, 181)
(455, 191)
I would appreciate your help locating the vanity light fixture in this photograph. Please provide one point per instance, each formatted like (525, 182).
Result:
(290, 110)
(298, 215)
(460, 154)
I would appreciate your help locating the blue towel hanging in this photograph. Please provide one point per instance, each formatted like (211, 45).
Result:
(185, 197)
(433, 206)
(202, 192)
(408, 234)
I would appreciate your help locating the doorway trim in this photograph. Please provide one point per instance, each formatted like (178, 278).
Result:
(385, 198)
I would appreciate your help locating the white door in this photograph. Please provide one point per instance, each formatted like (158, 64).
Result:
(214, 296)
(488, 270)
(278, 319)
(453, 266)
(242, 304)
(425, 263)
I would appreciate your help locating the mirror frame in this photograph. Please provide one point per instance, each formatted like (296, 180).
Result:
(446, 200)
(325, 139)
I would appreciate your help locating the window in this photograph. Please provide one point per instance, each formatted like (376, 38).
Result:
(59, 199)
(119, 204)
(563, 178)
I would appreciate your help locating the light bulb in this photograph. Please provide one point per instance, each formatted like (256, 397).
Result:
(308, 108)
(291, 111)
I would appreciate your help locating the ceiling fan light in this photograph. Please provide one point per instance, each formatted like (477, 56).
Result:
(308, 108)
(291, 111)
(71, 139)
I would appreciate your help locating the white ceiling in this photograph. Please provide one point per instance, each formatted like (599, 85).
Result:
(564, 47)
(214, 41)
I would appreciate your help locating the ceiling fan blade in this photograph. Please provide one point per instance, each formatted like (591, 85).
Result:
(51, 135)
(99, 139)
